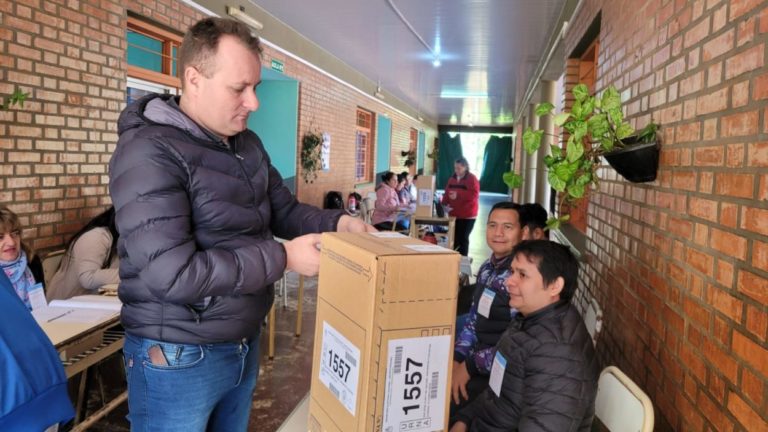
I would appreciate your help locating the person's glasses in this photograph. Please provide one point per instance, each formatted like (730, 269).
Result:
(15, 235)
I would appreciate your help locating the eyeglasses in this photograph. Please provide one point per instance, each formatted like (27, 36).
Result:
(15, 235)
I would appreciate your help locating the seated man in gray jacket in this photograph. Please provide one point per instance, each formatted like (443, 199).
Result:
(544, 375)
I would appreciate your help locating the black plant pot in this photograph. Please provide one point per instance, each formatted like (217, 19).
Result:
(637, 163)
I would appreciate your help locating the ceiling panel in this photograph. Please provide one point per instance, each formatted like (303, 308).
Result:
(488, 49)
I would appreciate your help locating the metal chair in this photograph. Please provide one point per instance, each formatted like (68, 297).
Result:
(593, 319)
(621, 405)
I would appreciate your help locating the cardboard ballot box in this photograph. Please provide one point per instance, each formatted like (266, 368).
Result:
(386, 311)
(425, 188)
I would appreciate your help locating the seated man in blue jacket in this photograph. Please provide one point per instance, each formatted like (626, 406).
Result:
(33, 387)
(544, 373)
(490, 314)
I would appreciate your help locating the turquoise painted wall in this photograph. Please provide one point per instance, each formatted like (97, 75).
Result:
(276, 122)
(383, 145)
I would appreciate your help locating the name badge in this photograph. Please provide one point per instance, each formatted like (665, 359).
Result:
(486, 300)
(37, 297)
(497, 373)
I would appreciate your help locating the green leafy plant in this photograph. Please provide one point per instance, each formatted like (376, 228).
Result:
(18, 97)
(311, 162)
(595, 126)
(648, 133)
(410, 157)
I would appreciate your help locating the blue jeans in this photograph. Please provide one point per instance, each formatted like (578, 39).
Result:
(202, 387)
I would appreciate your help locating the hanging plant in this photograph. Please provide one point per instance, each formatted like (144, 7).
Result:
(311, 162)
(410, 157)
(596, 127)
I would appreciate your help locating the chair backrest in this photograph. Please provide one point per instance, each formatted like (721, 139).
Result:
(621, 405)
(593, 319)
(51, 263)
(366, 208)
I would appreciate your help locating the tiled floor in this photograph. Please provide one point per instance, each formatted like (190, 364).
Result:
(284, 381)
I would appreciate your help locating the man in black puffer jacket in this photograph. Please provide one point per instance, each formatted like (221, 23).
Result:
(544, 375)
(197, 205)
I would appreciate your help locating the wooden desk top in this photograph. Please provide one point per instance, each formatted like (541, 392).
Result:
(433, 219)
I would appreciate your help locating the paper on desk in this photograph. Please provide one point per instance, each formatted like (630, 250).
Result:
(427, 248)
(54, 314)
(110, 303)
(387, 234)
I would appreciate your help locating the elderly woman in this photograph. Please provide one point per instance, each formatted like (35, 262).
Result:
(90, 261)
(20, 265)
(387, 203)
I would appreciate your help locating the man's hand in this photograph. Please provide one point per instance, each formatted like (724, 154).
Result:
(352, 224)
(459, 382)
(303, 255)
(459, 426)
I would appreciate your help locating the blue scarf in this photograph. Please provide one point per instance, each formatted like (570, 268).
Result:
(20, 276)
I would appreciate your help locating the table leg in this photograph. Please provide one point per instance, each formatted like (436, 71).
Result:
(80, 407)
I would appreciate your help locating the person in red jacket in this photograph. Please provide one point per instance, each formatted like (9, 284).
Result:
(461, 195)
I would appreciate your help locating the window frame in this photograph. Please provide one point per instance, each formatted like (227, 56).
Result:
(169, 41)
(368, 146)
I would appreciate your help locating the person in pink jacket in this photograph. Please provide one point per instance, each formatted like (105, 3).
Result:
(462, 194)
(387, 203)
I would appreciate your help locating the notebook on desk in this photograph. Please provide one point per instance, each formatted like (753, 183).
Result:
(66, 320)
(89, 302)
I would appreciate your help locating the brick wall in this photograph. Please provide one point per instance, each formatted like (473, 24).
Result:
(680, 265)
(54, 151)
(70, 57)
(330, 106)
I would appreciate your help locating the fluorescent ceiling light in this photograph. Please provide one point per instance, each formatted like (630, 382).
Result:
(456, 94)
(244, 17)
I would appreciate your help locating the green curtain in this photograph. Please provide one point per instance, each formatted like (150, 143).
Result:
(495, 164)
(449, 149)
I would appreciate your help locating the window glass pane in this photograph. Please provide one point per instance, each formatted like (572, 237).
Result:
(144, 51)
(137, 88)
(361, 144)
(132, 94)
(174, 72)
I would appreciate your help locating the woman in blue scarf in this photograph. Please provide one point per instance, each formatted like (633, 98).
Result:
(20, 265)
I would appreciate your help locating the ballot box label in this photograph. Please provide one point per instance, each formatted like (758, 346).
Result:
(417, 379)
(340, 367)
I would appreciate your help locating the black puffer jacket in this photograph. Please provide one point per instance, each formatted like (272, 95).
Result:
(550, 379)
(196, 218)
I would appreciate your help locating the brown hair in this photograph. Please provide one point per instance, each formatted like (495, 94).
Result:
(9, 222)
(198, 49)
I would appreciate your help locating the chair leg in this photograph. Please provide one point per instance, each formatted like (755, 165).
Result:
(284, 281)
(271, 348)
(299, 308)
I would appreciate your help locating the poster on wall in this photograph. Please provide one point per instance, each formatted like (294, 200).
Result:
(325, 151)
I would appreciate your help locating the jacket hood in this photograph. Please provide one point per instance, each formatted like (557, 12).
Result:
(162, 110)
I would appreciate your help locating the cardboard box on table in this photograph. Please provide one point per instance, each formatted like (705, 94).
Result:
(425, 187)
(386, 312)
